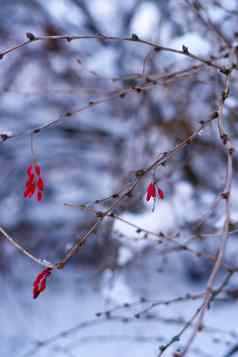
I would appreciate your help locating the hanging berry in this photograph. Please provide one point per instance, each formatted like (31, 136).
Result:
(35, 183)
(153, 191)
(39, 284)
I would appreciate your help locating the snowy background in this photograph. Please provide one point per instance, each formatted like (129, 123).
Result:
(92, 155)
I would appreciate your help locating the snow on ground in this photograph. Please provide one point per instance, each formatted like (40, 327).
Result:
(75, 295)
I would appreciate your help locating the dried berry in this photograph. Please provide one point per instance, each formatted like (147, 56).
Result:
(39, 284)
(154, 192)
(35, 183)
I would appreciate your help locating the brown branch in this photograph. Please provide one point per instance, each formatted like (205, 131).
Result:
(226, 196)
(40, 261)
(150, 83)
(101, 37)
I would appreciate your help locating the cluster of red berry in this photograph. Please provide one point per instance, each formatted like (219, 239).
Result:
(153, 191)
(39, 284)
(35, 183)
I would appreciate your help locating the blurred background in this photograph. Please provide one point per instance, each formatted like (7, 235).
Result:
(112, 297)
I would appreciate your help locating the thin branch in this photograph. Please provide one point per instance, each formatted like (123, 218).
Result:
(226, 196)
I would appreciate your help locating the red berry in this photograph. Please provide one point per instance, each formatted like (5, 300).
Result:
(40, 184)
(30, 180)
(39, 284)
(33, 183)
(29, 171)
(39, 196)
(161, 193)
(151, 191)
(30, 189)
(37, 169)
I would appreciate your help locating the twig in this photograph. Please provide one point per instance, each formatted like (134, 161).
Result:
(226, 196)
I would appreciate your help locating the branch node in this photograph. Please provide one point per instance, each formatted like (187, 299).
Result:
(30, 36)
(68, 114)
(185, 50)
(134, 37)
(157, 48)
(140, 173)
(36, 131)
(224, 138)
(100, 214)
(115, 195)
(225, 195)
(226, 71)
(215, 115)
(138, 89)
(4, 137)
